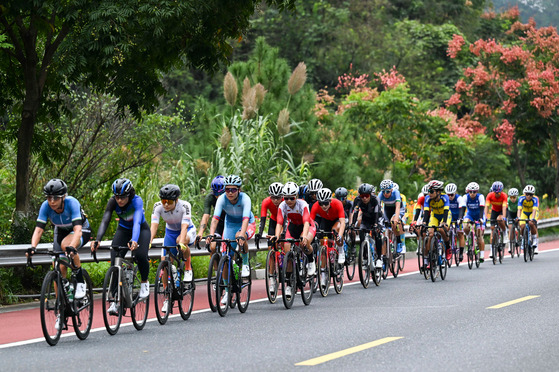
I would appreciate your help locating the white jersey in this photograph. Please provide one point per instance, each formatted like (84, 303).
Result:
(173, 218)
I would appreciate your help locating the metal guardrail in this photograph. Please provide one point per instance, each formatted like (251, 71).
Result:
(14, 255)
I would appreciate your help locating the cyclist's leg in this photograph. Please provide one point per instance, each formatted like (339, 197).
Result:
(142, 256)
(480, 242)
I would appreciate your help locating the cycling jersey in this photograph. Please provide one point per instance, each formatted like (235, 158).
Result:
(335, 212)
(174, 219)
(369, 211)
(66, 220)
(436, 207)
(348, 206)
(234, 213)
(131, 216)
(529, 208)
(455, 205)
(497, 202)
(297, 215)
(475, 207)
(268, 205)
(390, 202)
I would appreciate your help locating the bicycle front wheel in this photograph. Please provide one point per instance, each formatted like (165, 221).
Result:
(433, 259)
(243, 296)
(289, 280)
(52, 308)
(162, 293)
(272, 282)
(186, 298)
(364, 263)
(223, 285)
(112, 300)
(83, 309)
(140, 307)
(494, 246)
(338, 275)
(324, 272)
(211, 281)
(350, 260)
(307, 282)
(443, 263)
(401, 261)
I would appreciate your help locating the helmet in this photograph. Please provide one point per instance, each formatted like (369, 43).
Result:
(436, 185)
(386, 185)
(233, 180)
(55, 187)
(314, 185)
(529, 189)
(472, 186)
(275, 189)
(497, 186)
(395, 186)
(122, 186)
(170, 191)
(425, 189)
(513, 192)
(365, 188)
(290, 188)
(341, 193)
(218, 185)
(324, 195)
(303, 189)
(450, 188)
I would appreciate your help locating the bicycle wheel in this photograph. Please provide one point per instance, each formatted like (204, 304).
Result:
(512, 242)
(456, 251)
(140, 307)
(223, 285)
(350, 260)
(500, 249)
(272, 283)
(112, 294)
(530, 246)
(477, 257)
(324, 276)
(162, 292)
(306, 283)
(338, 274)
(364, 263)
(433, 259)
(83, 309)
(186, 297)
(211, 282)
(289, 280)
(494, 245)
(52, 307)
(394, 265)
(386, 262)
(443, 263)
(426, 272)
(419, 254)
(518, 242)
(243, 296)
(401, 261)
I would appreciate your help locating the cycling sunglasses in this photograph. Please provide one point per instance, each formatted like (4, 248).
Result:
(54, 197)
(363, 196)
(289, 198)
(167, 201)
(324, 203)
(231, 190)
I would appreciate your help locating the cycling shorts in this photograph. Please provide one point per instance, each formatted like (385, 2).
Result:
(436, 219)
(295, 231)
(171, 236)
(524, 216)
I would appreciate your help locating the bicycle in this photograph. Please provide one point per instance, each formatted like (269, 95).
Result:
(212, 271)
(170, 288)
(437, 256)
(453, 239)
(367, 259)
(57, 302)
(350, 256)
(122, 287)
(497, 243)
(418, 231)
(327, 263)
(297, 278)
(526, 242)
(229, 281)
(393, 259)
(274, 266)
(514, 243)
(471, 245)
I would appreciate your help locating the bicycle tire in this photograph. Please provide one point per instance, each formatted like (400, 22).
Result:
(211, 281)
(221, 287)
(494, 245)
(186, 297)
(271, 262)
(314, 278)
(243, 296)
(443, 265)
(433, 260)
(477, 257)
(289, 280)
(338, 274)
(350, 261)
(140, 307)
(364, 263)
(306, 286)
(419, 254)
(82, 318)
(426, 273)
(395, 267)
(324, 272)
(51, 307)
(385, 265)
(162, 292)
(112, 322)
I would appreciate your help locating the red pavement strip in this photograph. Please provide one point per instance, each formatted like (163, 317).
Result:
(25, 325)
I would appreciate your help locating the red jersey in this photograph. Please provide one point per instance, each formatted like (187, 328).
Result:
(297, 215)
(335, 212)
(496, 202)
(268, 205)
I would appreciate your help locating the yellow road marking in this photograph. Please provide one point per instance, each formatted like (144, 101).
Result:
(513, 302)
(342, 353)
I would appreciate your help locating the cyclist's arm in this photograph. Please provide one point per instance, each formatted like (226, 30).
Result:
(36, 238)
(184, 231)
(213, 225)
(106, 218)
(244, 227)
(203, 223)
(153, 228)
(138, 205)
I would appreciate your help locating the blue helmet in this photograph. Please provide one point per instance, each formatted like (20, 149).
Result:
(122, 186)
(218, 185)
(497, 186)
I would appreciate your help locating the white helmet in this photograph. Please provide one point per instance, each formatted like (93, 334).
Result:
(472, 186)
(395, 186)
(275, 189)
(513, 192)
(436, 185)
(450, 188)
(425, 189)
(529, 189)
(314, 185)
(324, 195)
(290, 188)
(386, 185)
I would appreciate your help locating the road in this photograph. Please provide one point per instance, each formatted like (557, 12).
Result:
(406, 324)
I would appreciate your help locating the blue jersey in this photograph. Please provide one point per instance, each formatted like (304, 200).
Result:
(391, 201)
(70, 216)
(234, 213)
(455, 205)
(132, 216)
(475, 206)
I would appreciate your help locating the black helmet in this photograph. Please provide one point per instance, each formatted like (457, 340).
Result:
(122, 186)
(365, 188)
(341, 193)
(170, 191)
(55, 187)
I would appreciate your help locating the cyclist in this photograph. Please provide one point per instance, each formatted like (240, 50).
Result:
(239, 220)
(132, 230)
(403, 216)
(418, 209)
(333, 217)
(512, 209)
(475, 203)
(392, 202)
(179, 228)
(498, 201)
(71, 229)
(457, 207)
(218, 187)
(366, 212)
(296, 212)
(528, 208)
(341, 195)
(436, 213)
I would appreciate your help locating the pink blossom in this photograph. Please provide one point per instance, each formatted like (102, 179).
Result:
(455, 45)
(454, 100)
(466, 128)
(390, 79)
(461, 86)
(508, 106)
(482, 109)
(505, 133)
(511, 88)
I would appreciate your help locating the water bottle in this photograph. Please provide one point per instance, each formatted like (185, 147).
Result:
(70, 292)
(175, 276)
(236, 270)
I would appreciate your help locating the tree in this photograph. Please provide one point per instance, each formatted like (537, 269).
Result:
(114, 47)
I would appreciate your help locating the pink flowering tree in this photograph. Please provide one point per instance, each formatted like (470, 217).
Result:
(511, 92)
